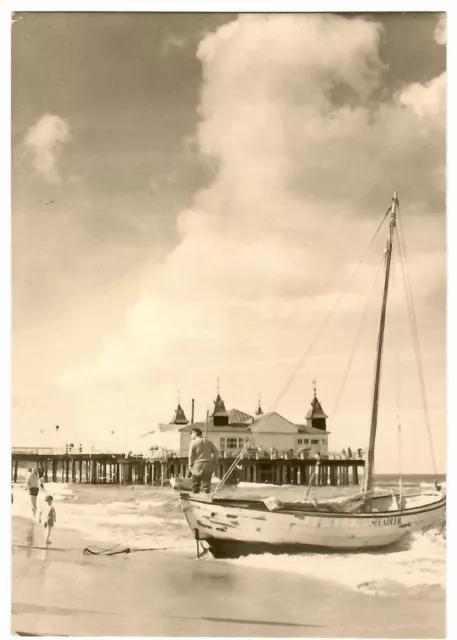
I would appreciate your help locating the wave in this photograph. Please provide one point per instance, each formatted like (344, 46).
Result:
(262, 485)
(422, 564)
(146, 517)
(140, 519)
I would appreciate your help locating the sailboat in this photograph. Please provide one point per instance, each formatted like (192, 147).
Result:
(231, 527)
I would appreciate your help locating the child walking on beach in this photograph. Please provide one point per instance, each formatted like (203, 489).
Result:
(49, 514)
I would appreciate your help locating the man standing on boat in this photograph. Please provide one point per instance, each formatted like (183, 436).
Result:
(203, 457)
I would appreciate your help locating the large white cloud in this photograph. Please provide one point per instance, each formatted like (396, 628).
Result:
(440, 33)
(306, 160)
(428, 101)
(44, 141)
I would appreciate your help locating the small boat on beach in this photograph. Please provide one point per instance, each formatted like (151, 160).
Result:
(232, 527)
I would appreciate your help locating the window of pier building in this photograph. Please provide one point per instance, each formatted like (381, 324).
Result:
(231, 443)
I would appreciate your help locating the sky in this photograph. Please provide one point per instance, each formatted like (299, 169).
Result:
(190, 196)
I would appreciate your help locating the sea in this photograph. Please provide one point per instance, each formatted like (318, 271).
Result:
(143, 517)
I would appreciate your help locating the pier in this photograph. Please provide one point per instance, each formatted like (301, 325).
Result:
(108, 468)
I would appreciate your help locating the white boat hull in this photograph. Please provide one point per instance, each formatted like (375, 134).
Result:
(236, 527)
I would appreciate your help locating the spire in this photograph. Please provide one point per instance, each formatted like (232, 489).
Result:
(259, 411)
(316, 417)
(219, 407)
(316, 410)
(220, 416)
(180, 416)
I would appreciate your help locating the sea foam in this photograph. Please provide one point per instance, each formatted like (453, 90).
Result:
(145, 517)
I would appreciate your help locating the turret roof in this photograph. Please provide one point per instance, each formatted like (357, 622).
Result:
(180, 416)
(316, 410)
(219, 407)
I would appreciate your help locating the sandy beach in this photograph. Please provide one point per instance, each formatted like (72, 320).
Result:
(60, 591)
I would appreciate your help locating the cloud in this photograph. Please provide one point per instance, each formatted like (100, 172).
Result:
(44, 141)
(171, 43)
(440, 34)
(427, 100)
(306, 161)
(153, 186)
(162, 180)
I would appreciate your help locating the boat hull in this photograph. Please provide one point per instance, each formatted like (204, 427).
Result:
(237, 549)
(232, 528)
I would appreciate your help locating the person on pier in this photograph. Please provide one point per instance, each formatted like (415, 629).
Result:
(203, 457)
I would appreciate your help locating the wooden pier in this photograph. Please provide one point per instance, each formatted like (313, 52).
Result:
(104, 468)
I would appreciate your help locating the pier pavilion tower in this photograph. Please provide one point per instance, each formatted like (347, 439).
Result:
(220, 414)
(316, 417)
(259, 411)
(180, 416)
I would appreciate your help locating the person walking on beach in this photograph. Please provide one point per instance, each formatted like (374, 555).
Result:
(50, 519)
(41, 477)
(33, 485)
(203, 457)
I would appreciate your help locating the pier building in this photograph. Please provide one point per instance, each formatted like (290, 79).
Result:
(232, 429)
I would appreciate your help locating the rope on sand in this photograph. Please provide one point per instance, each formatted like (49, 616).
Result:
(24, 633)
(98, 551)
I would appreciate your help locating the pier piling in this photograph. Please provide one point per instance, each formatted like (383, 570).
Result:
(122, 469)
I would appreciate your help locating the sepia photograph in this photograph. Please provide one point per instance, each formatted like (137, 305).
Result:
(228, 335)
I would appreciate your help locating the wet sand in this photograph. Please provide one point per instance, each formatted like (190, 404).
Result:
(60, 591)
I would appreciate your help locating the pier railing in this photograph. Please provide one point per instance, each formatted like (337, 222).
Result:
(103, 468)
(39, 451)
(164, 454)
(171, 454)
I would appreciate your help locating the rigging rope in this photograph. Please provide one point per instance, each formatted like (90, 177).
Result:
(415, 336)
(397, 385)
(397, 364)
(357, 338)
(303, 358)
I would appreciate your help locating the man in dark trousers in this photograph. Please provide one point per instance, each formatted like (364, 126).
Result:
(203, 457)
(33, 486)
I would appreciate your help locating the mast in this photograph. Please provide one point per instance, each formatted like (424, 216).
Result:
(206, 424)
(382, 323)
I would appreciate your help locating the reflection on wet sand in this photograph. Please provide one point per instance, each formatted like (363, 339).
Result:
(34, 543)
